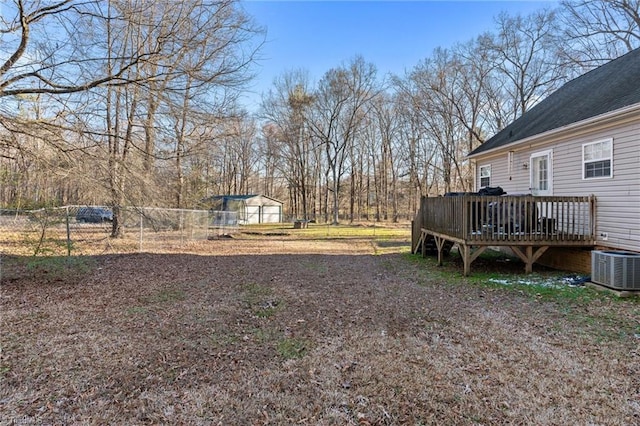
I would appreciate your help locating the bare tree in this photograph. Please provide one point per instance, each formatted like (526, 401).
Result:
(342, 98)
(527, 59)
(122, 73)
(51, 53)
(438, 98)
(270, 158)
(35, 174)
(232, 153)
(357, 158)
(476, 87)
(385, 125)
(417, 150)
(286, 108)
(597, 31)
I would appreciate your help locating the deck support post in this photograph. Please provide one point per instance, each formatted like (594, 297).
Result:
(419, 244)
(528, 256)
(439, 244)
(468, 256)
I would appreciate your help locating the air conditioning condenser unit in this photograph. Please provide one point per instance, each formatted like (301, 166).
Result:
(616, 269)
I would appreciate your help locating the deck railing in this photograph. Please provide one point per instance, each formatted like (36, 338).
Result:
(509, 219)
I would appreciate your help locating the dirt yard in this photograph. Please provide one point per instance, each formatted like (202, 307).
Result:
(269, 330)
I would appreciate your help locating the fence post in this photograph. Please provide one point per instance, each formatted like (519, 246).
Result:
(68, 232)
(141, 227)
(181, 224)
(206, 225)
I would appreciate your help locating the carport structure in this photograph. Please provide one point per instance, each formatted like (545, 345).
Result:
(252, 208)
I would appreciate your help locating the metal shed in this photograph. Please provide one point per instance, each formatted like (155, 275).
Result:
(251, 209)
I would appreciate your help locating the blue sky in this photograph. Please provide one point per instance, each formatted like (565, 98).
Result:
(393, 35)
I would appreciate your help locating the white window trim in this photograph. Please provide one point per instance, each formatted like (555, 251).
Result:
(610, 140)
(486, 166)
(549, 154)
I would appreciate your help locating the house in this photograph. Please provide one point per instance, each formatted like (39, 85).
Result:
(582, 140)
(571, 169)
(251, 209)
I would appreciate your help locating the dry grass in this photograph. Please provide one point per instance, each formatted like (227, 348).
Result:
(288, 330)
(26, 239)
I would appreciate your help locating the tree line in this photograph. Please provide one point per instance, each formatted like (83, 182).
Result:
(136, 103)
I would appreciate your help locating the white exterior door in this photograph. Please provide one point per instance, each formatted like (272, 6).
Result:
(541, 181)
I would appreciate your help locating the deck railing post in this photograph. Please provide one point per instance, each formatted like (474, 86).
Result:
(423, 208)
(466, 216)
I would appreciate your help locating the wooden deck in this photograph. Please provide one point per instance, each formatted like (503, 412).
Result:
(528, 224)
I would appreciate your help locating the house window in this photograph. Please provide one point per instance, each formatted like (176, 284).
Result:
(485, 176)
(597, 159)
(541, 173)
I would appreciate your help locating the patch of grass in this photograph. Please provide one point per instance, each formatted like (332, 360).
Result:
(390, 246)
(327, 231)
(547, 287)
(265, 335)
(222, 340)
(260, 301)
(162, 297)
(292, 348)
(568, 294)
(60, 268)
(255, 291)
(4, 370)
(428, 269)
(137, 310)
(389, 265)
(267, 309)
(604, 327)
(499, 273)
(313, 265)
(167, 296)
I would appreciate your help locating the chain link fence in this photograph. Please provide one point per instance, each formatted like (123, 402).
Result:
(81, 230)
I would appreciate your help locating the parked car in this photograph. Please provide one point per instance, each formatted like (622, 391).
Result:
(94, 215)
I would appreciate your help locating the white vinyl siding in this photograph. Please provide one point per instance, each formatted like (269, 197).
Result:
(509, 178)
(597, 159)
(485, 176)
(617, 197)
